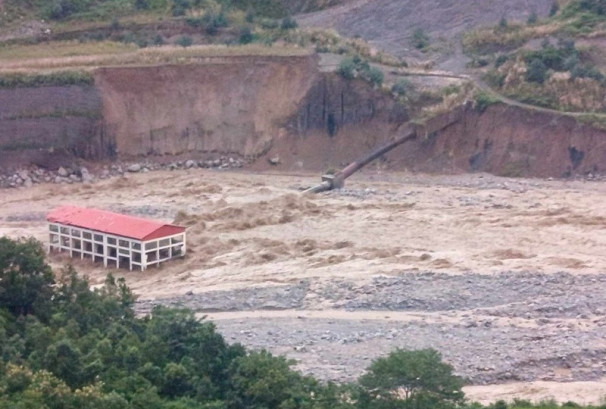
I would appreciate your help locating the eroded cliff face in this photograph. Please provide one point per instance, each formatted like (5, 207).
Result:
(225, 105)
(503, 140)
(509, 141)
(263, 107)
(39, 124)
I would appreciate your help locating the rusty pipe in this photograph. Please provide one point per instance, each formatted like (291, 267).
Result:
(337, 180)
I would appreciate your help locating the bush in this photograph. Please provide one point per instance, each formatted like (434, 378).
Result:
(593, 6)
(495, 78)
(246, 35)
(347, 68)
(583, 71)
(532, 18)
(158, 39)
(142, 4)
(483, 100)
(115, 24)
(571, 62)
(213, 22)
(451, 89)
(503, 24)
(478, 62)
(375, 76)
(557, 59)
(536, 72)
(269, 24)
(180, 7)
(185, 41)
(420, 40)
(401, 87)
(555, 7)
(500, 60)
(288, 23)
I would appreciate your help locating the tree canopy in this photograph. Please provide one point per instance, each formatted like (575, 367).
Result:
(418, 379)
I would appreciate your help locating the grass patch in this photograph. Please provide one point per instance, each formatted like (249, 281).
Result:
(329, 41)
(483, 100)
(63, 49)
(593, 120)
(490, 40)
(152, 56)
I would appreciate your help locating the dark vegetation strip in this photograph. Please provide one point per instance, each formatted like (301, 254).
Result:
(59, 78)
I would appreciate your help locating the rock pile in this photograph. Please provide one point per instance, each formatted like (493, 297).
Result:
(69, 174)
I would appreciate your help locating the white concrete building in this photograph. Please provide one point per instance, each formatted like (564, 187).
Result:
(114, 239)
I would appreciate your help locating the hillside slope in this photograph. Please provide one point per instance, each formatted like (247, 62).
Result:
(389, 24)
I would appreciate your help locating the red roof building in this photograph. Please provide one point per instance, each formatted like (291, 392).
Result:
(114, 238)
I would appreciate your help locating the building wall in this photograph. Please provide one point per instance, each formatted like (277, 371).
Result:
(112, 250)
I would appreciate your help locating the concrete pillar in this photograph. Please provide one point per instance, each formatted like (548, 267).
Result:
(71, 243)
(105, 250)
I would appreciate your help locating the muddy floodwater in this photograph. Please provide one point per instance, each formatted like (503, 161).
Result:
(505, 277)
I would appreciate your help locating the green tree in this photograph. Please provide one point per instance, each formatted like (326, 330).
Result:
(418, 378)
(347, 68)
(260, 380)
(25, 278)
(536, 71)
(63, 359)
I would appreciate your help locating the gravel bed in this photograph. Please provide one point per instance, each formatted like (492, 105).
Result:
(491, 328)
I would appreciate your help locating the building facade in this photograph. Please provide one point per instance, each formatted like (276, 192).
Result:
(114, 239)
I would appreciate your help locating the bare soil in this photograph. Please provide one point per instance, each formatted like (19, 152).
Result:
(503, 276)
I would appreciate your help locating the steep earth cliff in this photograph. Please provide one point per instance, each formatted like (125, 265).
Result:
(46, 125)
(509, 141)
(267, 107)
(223, 105)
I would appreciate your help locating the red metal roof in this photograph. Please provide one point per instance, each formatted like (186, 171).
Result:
(112, 223)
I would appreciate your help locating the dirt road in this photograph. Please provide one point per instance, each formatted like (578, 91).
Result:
(503, 276)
